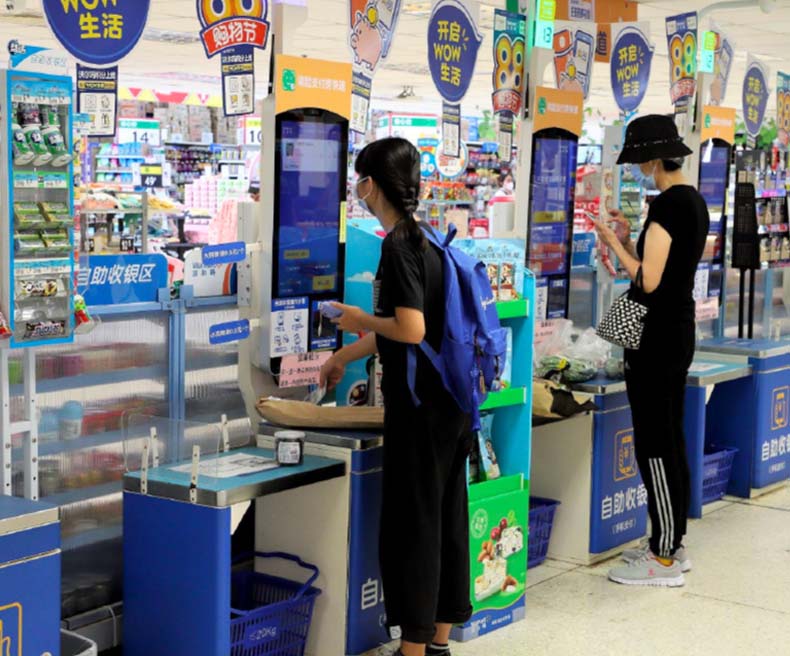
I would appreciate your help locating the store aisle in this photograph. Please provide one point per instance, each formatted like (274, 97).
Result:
(735, 602)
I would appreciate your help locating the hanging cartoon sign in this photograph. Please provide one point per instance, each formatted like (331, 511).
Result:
(783, 107)
(372, 25)
(632, 56)
(509, 57)
(682, 50)
(754, 96)
(574, 52)
(233, 29)
(722, 63)
(97, 31)
(453, 44)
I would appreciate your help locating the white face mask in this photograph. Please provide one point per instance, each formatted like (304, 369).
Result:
(363, 200)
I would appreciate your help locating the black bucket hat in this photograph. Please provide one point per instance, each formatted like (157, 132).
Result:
(652, 137)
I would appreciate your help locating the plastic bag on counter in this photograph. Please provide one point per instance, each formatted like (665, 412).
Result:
(615, 369)
(590, 348)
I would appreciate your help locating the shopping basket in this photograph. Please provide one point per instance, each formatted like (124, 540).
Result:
(716, 471)
(541, 520)
(270, 616)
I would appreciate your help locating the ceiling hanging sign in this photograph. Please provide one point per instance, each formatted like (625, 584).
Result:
(574, 52)
(722, 63)
(510, 32)
(453, 44)
(372, 25)
(233, 29)
(632, 56)
(707, 52)
(97, 97)
(783, 108)
(754, 96)
(682, 49)
(97, 31)
(509, 56)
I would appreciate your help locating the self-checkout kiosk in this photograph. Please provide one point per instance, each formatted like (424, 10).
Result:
(548, 158)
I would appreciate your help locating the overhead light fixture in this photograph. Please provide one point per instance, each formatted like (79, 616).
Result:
(417, 8)
(766, 6)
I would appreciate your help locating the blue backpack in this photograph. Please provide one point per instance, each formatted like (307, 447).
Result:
(474, 344)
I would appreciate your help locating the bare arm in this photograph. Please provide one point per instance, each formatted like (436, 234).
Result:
(335, 368)
(407, 326)
(657, 244)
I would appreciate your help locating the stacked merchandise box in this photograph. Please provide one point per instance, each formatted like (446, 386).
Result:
(199, 123)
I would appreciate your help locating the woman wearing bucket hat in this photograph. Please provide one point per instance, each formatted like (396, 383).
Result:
(664, 261)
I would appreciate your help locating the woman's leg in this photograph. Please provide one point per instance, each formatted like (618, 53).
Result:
(651, 393)
(417, 464)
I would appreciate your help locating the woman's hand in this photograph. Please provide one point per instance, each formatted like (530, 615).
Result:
(622, 228)
(353, 319)
(332, 372)
(606, 234)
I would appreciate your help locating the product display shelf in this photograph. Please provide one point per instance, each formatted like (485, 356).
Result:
(502, 504)
(126, 228)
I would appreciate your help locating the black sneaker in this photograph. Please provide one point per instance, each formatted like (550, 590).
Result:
(433, 650)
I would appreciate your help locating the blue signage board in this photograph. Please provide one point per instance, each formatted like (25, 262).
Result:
(367, 619)
(632, 56)
(224, 253)
(97, 32)
(772, 443)
(116, 279)
(755, 97)
(619, 497)
(453, 43)
(232, 331)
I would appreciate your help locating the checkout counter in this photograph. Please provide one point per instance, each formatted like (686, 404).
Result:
(29, 577)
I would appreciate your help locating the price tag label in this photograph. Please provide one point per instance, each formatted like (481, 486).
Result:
(708, 53)
(151, 175)
(135, 130)
(544, 24)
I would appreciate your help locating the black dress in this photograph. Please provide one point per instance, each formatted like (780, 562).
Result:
(656, 374)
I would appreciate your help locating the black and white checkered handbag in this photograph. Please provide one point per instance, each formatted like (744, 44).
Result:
(624, 322)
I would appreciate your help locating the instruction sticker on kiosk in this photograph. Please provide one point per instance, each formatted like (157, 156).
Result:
(302, 369)
(290, 324)
(232, 331)
(224, 253)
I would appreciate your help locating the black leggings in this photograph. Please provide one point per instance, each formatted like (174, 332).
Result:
(656, 380)
(424, 548)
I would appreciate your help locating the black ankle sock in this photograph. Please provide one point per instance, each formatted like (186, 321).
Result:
(437, 650)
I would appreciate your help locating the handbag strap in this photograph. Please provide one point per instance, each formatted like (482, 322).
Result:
(637, 291)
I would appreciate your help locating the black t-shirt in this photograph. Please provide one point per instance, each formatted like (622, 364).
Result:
(682, 212)
(410, 277)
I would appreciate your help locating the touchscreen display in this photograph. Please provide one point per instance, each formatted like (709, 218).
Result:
(714, 171)
(553, 184)
(309, 155)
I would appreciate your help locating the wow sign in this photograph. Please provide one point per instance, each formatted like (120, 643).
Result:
(682, 49)
(632, 56)
(783, 107)
(97, 31)
(755, 96)
(453, 43)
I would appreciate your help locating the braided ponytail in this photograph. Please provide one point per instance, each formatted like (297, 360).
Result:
(394, 164)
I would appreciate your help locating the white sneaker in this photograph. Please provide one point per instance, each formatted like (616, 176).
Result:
(649, 571)
(681, 555)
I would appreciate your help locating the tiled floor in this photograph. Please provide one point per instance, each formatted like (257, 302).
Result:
(736, 602)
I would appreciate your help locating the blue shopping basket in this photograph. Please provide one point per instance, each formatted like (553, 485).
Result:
(270, 616)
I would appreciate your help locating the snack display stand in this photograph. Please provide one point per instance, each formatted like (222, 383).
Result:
(752, 414)
(29, 577)
(588, 464)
